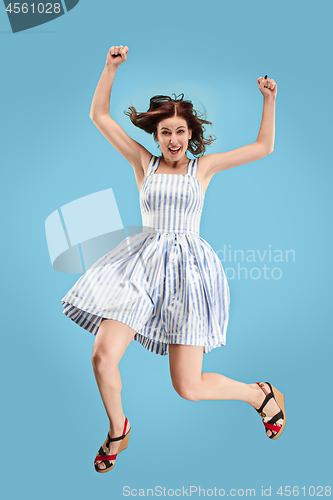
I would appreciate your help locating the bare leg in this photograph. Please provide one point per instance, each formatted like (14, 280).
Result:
(190, 383)
(112, 339)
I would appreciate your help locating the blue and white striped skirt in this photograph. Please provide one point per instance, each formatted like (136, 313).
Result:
(169, 287)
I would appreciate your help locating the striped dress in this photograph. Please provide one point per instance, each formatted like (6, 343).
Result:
(166, 282)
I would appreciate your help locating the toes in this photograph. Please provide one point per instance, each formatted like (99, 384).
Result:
(271, 434)
(100, 465)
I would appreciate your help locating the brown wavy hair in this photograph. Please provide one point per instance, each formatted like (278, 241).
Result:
(162, 107)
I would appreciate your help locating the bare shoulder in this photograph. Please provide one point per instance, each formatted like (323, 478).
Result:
(141, 160)
(140, 165)
(204, 173)
(203, 165)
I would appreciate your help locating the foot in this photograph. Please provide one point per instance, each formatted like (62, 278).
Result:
(114, 445)
(271, 408)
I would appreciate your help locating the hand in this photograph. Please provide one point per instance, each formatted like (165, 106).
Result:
(267, 87)
(117, 54)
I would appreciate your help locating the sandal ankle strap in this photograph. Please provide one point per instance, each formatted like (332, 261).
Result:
(267, 398)
(110, 439)
(269, 395)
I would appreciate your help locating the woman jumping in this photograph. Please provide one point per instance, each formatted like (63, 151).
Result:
(166, 287)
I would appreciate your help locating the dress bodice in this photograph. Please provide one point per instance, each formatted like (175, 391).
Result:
(171, 202)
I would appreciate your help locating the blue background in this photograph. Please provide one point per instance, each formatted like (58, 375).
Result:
(53, 419)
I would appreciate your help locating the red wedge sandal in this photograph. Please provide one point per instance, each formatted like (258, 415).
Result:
(103, 454)
(275, 424)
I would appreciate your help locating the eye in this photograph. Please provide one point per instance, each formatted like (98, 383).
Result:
(181, 130)
(165, 132)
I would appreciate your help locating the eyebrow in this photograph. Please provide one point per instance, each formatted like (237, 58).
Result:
(181, 126)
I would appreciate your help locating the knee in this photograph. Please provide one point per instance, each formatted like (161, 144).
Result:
(103, 361)
(186, 390)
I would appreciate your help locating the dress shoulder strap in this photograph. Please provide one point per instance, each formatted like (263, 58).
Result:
(153, 163)
(193, 167)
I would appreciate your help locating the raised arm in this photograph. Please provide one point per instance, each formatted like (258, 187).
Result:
(135, 153)
(263, 146)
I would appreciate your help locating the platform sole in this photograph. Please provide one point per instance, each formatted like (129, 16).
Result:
(279, 398)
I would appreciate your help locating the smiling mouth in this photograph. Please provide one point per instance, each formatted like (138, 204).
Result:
(174, 151)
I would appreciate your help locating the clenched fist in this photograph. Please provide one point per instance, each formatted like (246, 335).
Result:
(267, 87)
(117, 54)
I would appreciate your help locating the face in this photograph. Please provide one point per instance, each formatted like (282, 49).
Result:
(173, 136)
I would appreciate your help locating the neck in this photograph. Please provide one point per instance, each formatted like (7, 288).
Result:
(177, 164)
